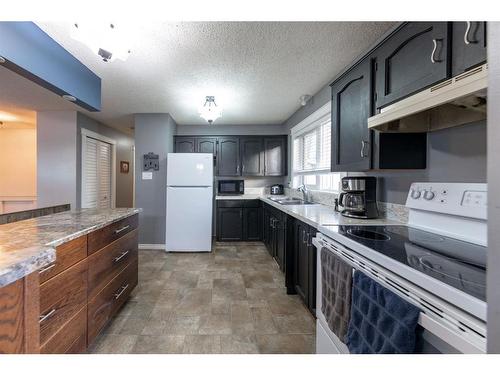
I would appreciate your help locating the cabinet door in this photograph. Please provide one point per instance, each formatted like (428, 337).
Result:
(252, 156)
(228, 157)
(252, 224)
(469, 45)
(415, 57)
(267, 230)
(230, 224)
(312, 270)
(275, 156)
(183, 145)
(301, 269)
(206, 145)
(280, 241)
(351, 138)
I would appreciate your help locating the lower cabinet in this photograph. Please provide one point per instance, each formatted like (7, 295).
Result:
(275, 234)
(304, 274)
(239, 220)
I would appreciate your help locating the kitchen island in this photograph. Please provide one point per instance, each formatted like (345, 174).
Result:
(63, 277)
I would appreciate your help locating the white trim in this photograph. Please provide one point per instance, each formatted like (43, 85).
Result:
(85, 133)
(312, 118)
(151, 246)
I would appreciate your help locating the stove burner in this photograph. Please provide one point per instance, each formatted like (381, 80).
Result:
(368, 234)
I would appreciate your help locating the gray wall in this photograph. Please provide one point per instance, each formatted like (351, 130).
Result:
(231, 129)
(56, 158)
(493, 274)
(124, 152)
(153, 133)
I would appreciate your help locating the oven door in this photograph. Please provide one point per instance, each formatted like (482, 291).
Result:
(437, 335)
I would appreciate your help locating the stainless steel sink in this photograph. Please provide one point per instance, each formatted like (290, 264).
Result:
(291, 201)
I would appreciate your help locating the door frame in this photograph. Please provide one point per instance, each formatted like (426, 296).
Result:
(85, 133)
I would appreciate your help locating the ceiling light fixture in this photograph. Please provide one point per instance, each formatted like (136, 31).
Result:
(105, 39)
(7, 117)
(69, 98)
(304, 99)
(210, 111)
(2, 60)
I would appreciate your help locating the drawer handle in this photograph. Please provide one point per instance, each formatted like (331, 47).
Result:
(47, 268)
(121, 256)
(434, 49)
(46, 316)
(122, 229)
(122, 289)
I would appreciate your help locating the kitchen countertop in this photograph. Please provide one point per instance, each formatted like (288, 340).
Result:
(313, 214)
(28, 245)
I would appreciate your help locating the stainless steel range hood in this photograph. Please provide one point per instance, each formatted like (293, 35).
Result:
(457, 101)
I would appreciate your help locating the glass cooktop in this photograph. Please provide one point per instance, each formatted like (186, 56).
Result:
(459, 264)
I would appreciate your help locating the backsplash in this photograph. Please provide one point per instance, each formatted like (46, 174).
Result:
(391, 211)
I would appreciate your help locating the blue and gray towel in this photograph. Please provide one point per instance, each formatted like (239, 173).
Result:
(381, 321)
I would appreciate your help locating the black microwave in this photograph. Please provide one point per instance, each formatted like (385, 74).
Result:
(231, 187)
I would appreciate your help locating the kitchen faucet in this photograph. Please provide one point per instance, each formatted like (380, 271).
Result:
(305, 192)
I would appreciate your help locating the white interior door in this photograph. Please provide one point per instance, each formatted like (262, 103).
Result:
(96, 174)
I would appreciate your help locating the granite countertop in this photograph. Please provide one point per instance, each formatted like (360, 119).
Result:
(28, 245)
(312, 214)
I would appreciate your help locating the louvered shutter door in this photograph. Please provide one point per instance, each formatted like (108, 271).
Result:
(96, 179)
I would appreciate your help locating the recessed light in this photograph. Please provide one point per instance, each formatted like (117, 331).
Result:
(2, 60)
(69, 98)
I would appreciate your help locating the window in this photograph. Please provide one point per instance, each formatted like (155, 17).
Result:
(312, 153)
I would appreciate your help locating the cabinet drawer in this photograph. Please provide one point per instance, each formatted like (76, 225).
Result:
(237, 203)
(60, 298)
(104, 236)
(67, 254)
(108, 262)
(71, 338)
(105, 304)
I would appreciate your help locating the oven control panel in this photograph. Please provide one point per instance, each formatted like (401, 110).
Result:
(462, 199)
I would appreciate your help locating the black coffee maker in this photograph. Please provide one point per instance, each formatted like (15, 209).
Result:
(359, 197)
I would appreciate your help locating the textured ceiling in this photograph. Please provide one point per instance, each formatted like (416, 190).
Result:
(256, 70)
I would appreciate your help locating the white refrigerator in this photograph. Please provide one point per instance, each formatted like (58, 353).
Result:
(189, 202)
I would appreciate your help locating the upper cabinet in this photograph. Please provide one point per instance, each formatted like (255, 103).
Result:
(228, 156)
(413, 58)
(351, 138)
(206, 145)
(275, 158)
(468, 46)
(240, 155)
(185, 144)
(252, 156)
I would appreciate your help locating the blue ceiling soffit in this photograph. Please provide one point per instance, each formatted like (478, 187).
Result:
(30, 52)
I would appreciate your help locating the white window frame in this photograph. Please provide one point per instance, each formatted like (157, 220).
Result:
(306, 125)
(90, 134)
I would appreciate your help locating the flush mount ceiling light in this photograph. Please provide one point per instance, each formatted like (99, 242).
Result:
(105, 39)
(210, 111)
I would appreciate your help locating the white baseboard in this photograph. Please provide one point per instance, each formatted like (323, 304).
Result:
(151, 246)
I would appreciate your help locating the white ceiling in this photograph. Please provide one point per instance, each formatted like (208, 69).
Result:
(256, 70)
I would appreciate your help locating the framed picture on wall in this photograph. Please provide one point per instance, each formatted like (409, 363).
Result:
(124, 166)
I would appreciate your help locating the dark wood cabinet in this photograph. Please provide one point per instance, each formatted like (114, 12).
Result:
(239, 220)
(252, 156)
(413, 58)
(351, 138)
(207, 145)
(304, 274)
(240, 155)
(252, 224)
(275, 158)
(468, 45)
(184, 144)
(275, 235)
(228, 156)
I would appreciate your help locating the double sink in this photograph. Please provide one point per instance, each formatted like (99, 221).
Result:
(289, 201)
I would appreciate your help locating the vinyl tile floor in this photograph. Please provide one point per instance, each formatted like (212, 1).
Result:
(232, 300)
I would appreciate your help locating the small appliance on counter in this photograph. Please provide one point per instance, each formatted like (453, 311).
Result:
(231, 187)
(277, 189)
(359, 197)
